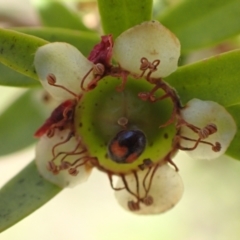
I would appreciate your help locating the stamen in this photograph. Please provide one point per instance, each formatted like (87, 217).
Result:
(146, 65)
(133, 206)
(64, 165)
(98, 71)
(70, 135)
(52, 168)
(147, 188)
(146, 163)
(170, 161)
(73, 171)
(51, 78)
(145, 179)
(169, 93)
(148, 200)
(211, 128)
(137, 183)
(111, 183)
(127, 187)
(118, 72)
(215, 148)
(124, 76)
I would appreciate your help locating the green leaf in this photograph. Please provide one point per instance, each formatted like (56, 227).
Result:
(24, 194)
(234, 149)
(202, 23)
(9, 77)
(119, 15)
(19, 122)
(56, 14)
(216, 79)
(84, 41)
(17, 51)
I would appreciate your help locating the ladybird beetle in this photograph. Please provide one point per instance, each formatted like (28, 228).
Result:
(127, 146)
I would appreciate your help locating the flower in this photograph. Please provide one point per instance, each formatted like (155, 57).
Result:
(216, 124)
(121, 118)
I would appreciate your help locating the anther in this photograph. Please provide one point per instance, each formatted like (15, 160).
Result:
(208, 130)
(73, 171)
(52, 167)
(65, 165)
(51, 78)
(148, 200)
(217, 147)
(146, 65)
(98, 72)
(133, 206)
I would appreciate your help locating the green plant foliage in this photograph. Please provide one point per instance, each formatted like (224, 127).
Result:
(9, 77)
(23, 194)
(234, 149)
(203, 23)
(216, 79)
(17, 51)
(19, 122)
(56, 14)
(119, 15)
(84, 41)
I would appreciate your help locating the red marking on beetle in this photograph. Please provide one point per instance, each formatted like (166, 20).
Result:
(132, 157)
(118, 150)
(60, 117)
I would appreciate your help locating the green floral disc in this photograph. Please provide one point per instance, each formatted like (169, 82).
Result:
(98, 112)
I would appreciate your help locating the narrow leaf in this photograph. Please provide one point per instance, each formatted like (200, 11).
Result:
(119, 15)
(19, 122)
(234, 149)
(216, 79)
(84, 41)
(57, 14)
(202, 23)
(24, 194)
(17, 51)
(9, 77)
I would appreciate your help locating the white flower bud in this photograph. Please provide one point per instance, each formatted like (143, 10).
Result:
(63, 63)
(166, 190)
(150, 40)
(207, 113)
(44, 155)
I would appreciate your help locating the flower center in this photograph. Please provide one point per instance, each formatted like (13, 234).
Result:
(120, 129)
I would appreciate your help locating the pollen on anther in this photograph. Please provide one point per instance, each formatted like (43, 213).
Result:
(51, 78)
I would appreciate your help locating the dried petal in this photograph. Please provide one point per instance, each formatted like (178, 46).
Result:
(150, 40)
(63, 63)
(44, 154)
(207, 113)
(166, 190)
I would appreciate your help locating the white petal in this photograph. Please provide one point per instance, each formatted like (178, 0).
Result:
(201, 113)
(44, 155)
(166, 190)
(67, 64)
(152, 41)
